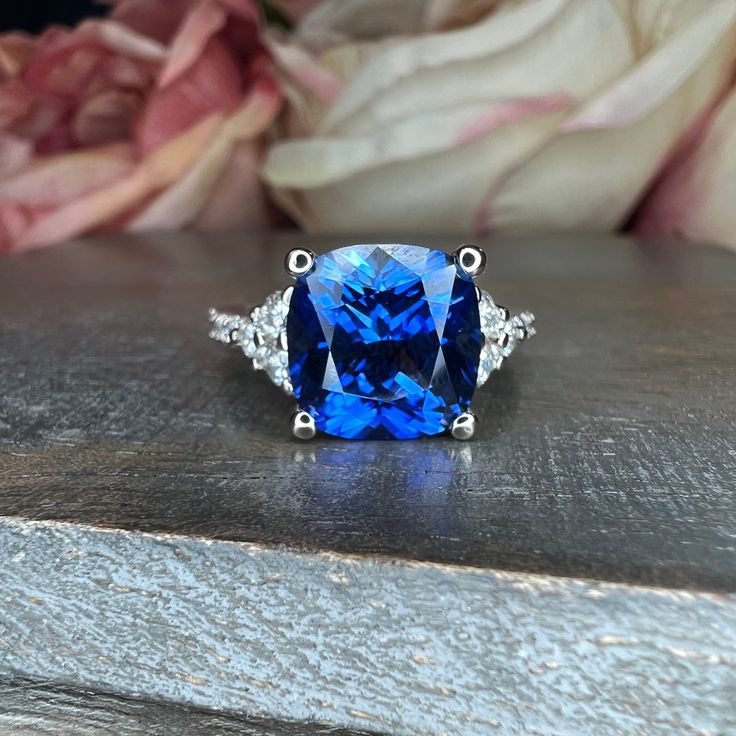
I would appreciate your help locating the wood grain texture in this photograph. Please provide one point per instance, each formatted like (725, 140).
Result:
(397, 647)
(606, 448)
(31, 709)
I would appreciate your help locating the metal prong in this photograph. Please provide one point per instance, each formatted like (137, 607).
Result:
(471, 259)
(463, 428)
(286, 295)
(298, 262)
(302, 426)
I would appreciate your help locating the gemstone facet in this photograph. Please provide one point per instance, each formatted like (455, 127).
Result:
(384, 341)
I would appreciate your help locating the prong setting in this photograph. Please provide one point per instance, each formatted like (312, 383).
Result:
(464, 426)
(471, 259)
(303, 426)
(298, 262)
(263, 337)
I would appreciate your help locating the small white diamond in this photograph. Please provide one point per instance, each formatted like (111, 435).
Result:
(501, 334)
(262, 338)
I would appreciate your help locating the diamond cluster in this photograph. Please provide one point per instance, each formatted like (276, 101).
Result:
(261, 336)
(501, 334)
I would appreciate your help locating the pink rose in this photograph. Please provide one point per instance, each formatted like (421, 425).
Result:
(490, 115)
(150, 119)
(695, 196)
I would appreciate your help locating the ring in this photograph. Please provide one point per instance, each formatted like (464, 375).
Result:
(379, 341)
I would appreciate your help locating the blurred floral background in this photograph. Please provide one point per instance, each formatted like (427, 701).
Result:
(436, 116)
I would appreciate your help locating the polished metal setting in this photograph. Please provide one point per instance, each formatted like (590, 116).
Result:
(302, 426)
(464, 426)
(298, 262)
(471, 259)
(262, 335)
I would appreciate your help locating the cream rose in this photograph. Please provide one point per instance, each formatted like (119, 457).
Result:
(456, 115)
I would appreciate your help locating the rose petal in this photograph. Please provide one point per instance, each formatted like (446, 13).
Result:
(392, 176)
(239, 197)
(306, 71)
(14, 221)
(529, 50)
(212, 84)
(201, 24)
(118, 37)
(180, 204)
(156, 19)
(15, 152)
(316, 162)
(41, 124)
(67, 64)
(448, 14)
(657, 77)
(604, 166)
(16, 101)
(696, 194)
(53, 180)
(481, 62)
(163, 167)
(15, 50)
(106, 117)
(120, 71)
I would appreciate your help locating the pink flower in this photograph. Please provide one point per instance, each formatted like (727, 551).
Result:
(696, 193)
(150, 119)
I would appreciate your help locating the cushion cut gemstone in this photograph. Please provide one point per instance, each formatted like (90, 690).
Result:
(384, 341)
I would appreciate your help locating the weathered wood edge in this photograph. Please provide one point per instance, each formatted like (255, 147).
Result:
(356, 642)
(34, 709)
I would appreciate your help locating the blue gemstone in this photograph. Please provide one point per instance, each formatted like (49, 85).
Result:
(384, 341)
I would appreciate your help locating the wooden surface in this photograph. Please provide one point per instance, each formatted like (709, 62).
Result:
(165, 539)
(606, 447)
(393, 647)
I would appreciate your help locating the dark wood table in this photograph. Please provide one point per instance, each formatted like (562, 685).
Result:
(174, 563)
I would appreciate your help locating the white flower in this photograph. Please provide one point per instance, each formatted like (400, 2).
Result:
(456, 115)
